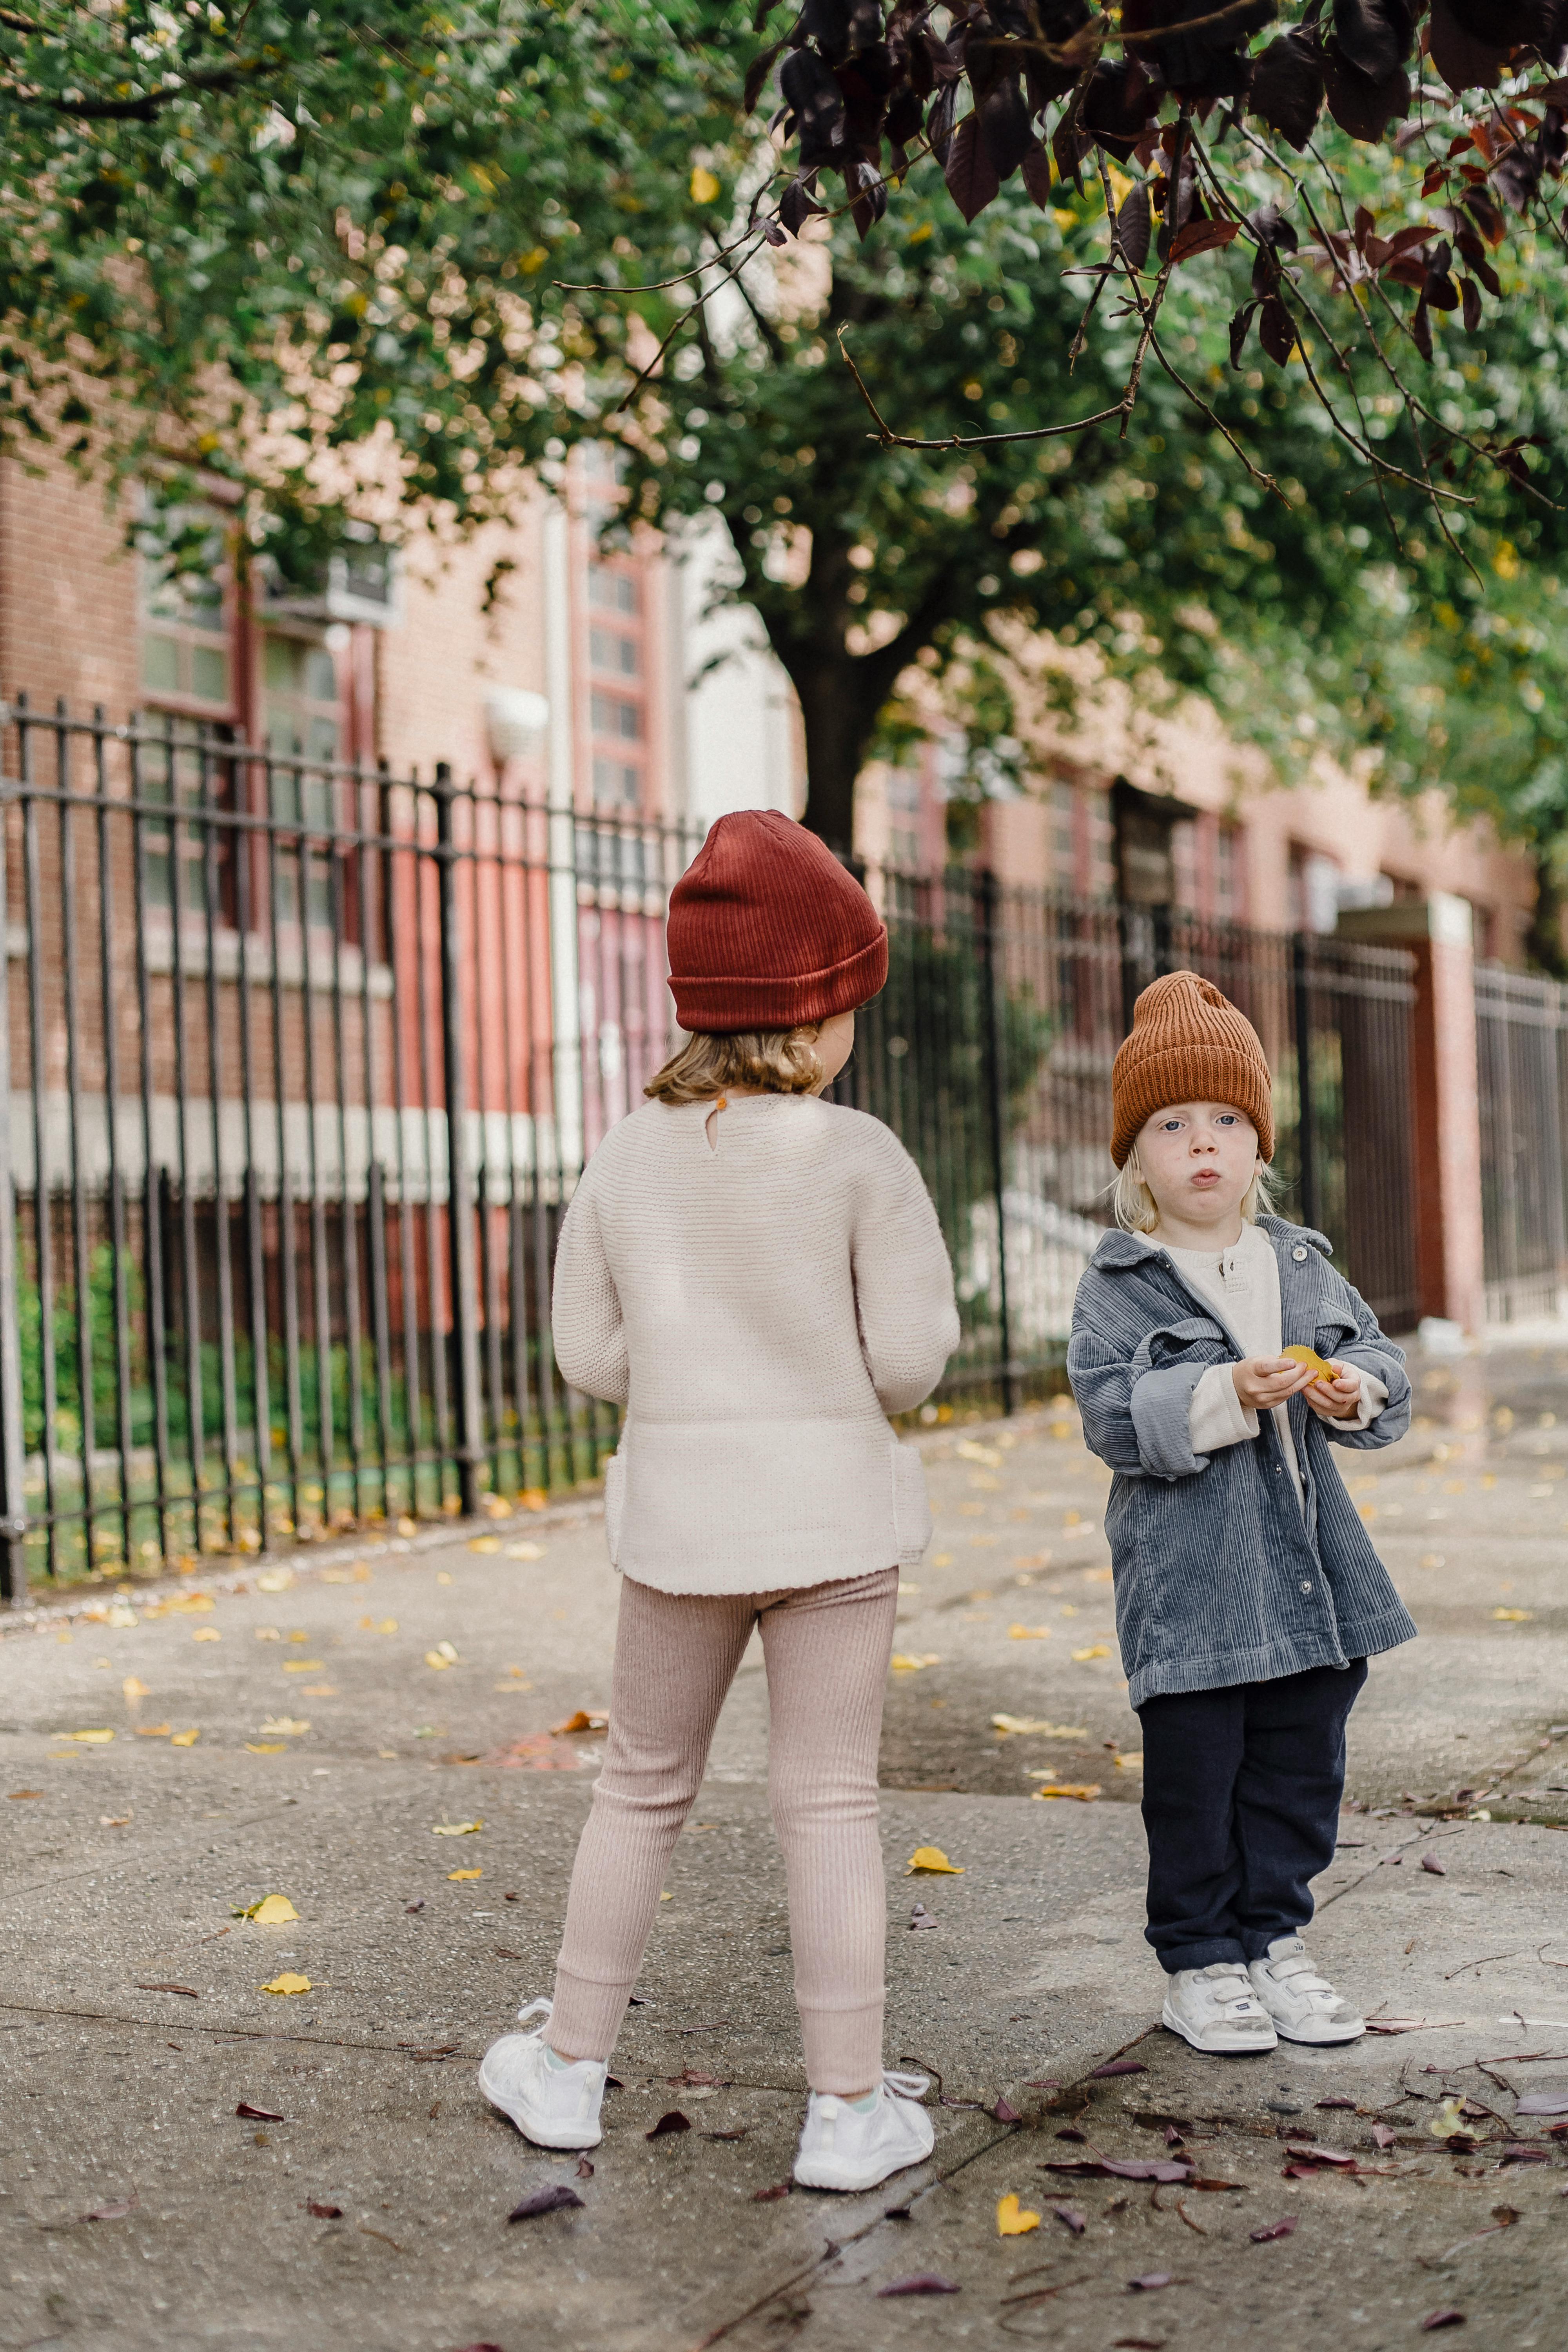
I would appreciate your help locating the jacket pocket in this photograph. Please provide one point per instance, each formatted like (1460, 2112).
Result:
(614, 1504)
(911, 1507)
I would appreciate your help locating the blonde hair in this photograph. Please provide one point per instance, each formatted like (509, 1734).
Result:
(1134, 1207)
(774, 1061)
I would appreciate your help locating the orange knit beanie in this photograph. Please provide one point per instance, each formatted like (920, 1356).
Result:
(1188, 1044)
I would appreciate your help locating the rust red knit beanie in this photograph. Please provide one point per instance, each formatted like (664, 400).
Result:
(1188, 1044)
(767, 929)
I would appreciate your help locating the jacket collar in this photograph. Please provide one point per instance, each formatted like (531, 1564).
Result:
(1117, 1250)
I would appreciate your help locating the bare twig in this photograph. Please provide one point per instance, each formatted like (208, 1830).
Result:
(891, 440)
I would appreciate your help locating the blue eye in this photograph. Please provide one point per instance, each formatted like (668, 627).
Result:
(1226, 1118)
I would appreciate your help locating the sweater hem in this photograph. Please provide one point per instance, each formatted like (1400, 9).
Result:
(777, 1578)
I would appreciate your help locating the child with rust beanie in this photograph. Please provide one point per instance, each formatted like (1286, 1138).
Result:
(1248, 1596)
(758, 1278)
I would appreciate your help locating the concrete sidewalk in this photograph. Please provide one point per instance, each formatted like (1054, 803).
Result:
(366, 2203)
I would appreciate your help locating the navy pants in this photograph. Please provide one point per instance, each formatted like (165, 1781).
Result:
(1241, 1805)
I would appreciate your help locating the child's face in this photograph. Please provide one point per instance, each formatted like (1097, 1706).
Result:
(1198, 1159)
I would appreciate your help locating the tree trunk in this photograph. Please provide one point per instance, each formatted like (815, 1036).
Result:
(1543, 941)
(837, 718)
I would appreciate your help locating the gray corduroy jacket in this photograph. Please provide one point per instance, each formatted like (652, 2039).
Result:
(1221, 1577)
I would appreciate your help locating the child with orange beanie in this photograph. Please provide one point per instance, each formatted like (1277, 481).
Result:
(1248, 1596)
(758, 1276)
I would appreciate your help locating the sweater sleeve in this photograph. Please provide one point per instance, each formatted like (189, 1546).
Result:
(904, 1285)
(1216, 1415)
(585, 1311)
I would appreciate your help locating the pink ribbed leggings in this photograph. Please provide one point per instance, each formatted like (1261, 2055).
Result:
(826, 1648)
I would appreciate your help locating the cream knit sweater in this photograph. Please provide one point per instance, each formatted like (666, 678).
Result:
(759, 1305)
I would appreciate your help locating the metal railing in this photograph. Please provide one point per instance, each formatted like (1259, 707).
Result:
(303, 1061)
(1522, 1052)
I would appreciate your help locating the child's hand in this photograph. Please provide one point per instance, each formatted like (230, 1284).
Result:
(1264, 1381)
(1336, 1400)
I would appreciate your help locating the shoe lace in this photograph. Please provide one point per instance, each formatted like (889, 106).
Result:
(906, 2086)
(535, 2009)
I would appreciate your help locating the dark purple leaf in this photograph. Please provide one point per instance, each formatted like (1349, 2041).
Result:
(1111, 2167)
(971, 175)
(1313, 2154)
(1447, 2318)
(1287, 87)
(773, 234)
(737, 2131)
(323, 2212)
(1277, 330)
(1070, 2218)
(1376, 35)
(554, 2200)
(1151, 2281)
(1524, 2151)
(486, 2346)
(1383, 2137)
(1134, 224)
(1430, 1861)
(922, 2282)
(1360, 105)
(1005, 2113)
(584, 2170)
(1240, 326)
(1121, 101)
(771, 2196)
(757, 73)
(817, 102)
(921, 1917)
(1336, 2102)
(1035, 174)
(1004, 127)
(116, 2212)
(1421, 330)
(1198, 2181)
(1273, 2230)
(940, 122)
(1542, 2103)
(189, 1993)
(413, 1907)
(796, 205)
(1202, 237)
(673, 2122)
(258, 2115)
(1116, 2066)
(1464, 61)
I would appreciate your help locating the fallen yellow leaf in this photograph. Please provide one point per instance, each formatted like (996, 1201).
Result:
(271, 1634)
(1015, 1727)
(586, 1719)
(443, 1654)
(1131, 1763)
(1095, 1650)
(318, 1690)
(1084, 1790)
(1013, 2221)
(534, 1498)
(1028, 1632)
(931, 1858)
(133, 1688)
(88, 1739)
(272, 1911)
(266, 1747)
(908, 1662)
(184, 1739)
(968, 1451)
(455, 1829)
(153, 1730)
(941, 1559)
(484, 1543)
(288, 1982)
(285, 1727)
(525, 1551)
(370, 1625)
(206, 1633)
(302, 1665)
(1449, 2117)
(1505, 1616)
(278, 1579)
(465, 1874)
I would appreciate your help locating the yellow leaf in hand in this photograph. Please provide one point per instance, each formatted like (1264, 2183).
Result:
(288, 1982)
(465, 1874)
(1013, 2220)
(1319, 1365)
(931, 1858)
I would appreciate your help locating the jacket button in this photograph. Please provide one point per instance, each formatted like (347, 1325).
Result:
(1305, 1586)
(1299, 1255)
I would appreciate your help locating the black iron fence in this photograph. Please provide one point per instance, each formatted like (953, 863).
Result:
(1522, 1051)
(303, 1062)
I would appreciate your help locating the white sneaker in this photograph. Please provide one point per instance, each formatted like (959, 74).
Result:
(554, 2106)
(841, 2148)
(1304, 2006)
(1213, 2009)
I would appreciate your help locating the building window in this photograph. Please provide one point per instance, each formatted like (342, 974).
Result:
(187, 624)
(1314, 890)
(1064, 835)
(187, 864)
(1229, 894)
(303, 721)
(617, 716)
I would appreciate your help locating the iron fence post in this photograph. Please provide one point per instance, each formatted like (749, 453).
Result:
(459, 1224)
(997, 1091)
(1306, 1137)
(13, 1510)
